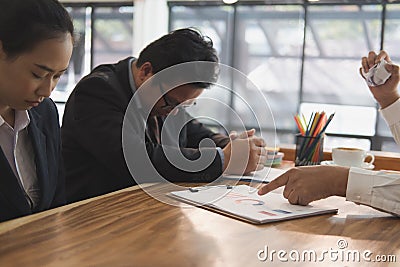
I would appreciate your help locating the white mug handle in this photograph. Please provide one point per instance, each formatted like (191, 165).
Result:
(371, 156)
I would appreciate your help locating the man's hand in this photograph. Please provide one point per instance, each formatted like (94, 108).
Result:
(306, 184)
(386, 94)
(249, 133)
(244, 153)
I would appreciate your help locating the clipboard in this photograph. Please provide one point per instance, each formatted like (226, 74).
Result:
(243, 203)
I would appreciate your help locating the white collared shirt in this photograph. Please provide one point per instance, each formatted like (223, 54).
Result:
(17, 148)
(391, 114)
(378, 189)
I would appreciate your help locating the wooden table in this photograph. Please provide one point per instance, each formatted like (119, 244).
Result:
(130, 228)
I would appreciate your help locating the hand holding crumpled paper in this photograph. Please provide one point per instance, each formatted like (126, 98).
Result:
(377, 75)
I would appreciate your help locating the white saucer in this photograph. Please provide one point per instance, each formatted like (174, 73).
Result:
(365, 165)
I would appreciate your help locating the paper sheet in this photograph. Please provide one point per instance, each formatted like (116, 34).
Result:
(243, 202)
(264, 175)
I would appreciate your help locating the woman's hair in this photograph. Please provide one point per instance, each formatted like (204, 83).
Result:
(25, 23)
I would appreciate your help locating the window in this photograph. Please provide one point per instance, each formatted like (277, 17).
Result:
(303, 58)
(104, 34)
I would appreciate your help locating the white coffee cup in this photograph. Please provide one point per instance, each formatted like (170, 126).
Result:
(351, 157)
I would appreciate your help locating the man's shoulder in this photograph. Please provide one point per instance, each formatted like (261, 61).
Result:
(108, 72)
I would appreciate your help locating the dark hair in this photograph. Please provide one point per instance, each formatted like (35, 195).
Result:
(180, 46)
(25, 23)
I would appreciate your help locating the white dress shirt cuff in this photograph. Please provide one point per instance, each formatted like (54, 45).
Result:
(374, 188)
(359, 186)
(391, 113)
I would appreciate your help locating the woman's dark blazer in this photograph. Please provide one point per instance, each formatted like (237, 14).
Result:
(44, 132)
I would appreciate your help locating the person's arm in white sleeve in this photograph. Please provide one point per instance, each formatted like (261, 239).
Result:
(387, 94)
(391, 114)
(377, 189)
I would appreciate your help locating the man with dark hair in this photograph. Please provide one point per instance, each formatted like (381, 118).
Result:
(92, 131)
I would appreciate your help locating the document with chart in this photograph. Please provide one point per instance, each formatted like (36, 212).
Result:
(242, 202)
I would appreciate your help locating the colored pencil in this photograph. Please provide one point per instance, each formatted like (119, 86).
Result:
(308, 150)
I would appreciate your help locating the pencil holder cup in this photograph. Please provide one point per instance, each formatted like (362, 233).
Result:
(309, 150)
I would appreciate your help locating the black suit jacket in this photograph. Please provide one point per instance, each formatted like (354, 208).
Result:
(44, 132)
(92, 137)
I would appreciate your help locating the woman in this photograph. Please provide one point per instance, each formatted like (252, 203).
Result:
(36, 41)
